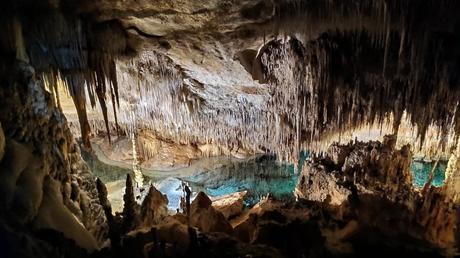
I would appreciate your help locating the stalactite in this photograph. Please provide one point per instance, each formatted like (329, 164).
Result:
(347, 90)
(356, 62)
(315, 90)
(77, 92)
(83, 53)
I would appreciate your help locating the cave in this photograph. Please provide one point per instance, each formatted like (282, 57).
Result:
(229, 128)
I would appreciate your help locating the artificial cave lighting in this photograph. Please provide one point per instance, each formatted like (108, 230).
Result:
(230, 128)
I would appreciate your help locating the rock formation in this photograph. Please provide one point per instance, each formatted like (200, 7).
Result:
(154, 208)
(318, 185)
(193, 89)
(364, 178)
(2, 143)
(230, 205)
(235, 77)
(43, 175)
(207, 218)
(131, 209)
(453, 176)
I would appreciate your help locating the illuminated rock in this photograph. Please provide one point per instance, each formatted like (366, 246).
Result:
(154, 208)
(205, 217)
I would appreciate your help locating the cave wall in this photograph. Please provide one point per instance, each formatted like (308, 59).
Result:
(321, 67)
(371, 182)
(45, 183)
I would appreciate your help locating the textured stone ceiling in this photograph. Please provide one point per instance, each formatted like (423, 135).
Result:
(261, 75)
(245, 76)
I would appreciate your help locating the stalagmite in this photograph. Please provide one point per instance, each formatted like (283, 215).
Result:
(131, 208)
(154, 208)
(208, 78)
(138, 176)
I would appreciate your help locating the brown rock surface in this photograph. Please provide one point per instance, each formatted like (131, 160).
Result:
(378, 183)
(39, 145)
(205, 217)
(318, 185)
(230, 205)
(154, 208)
(174, 232)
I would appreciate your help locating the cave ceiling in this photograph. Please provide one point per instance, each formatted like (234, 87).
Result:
(268, 75)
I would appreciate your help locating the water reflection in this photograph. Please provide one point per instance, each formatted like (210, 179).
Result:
(258, 176)
(421, 171)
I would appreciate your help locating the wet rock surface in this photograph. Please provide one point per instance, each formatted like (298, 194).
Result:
(156, 153)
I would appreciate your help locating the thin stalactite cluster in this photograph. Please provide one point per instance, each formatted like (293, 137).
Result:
(75, 50)
(340, 81)
(159, 96)
(354, 62)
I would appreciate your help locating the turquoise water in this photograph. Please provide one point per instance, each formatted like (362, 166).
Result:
(258, 176)
(421, 171)
(105, 172)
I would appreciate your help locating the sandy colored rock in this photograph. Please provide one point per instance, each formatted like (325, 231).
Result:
(21, 181)
(230, 205)
(54, 215)
(205, 217)
(453, 175)
(315, 184)
(337, 154)
(154, 208)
